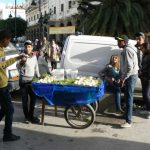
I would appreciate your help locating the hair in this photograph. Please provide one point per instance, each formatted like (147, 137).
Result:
(111, 61)
(140, 34)
(4, 34)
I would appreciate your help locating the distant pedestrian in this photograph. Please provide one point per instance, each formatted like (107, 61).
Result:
(46, 48)
(36, 47)
(28, 68)
(55, 54)
(129, 74)
(7, 108)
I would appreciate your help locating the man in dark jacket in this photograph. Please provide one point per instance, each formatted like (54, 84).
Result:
(140, 38)
(145, 77)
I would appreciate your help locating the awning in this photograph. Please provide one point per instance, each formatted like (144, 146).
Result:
(62, 30)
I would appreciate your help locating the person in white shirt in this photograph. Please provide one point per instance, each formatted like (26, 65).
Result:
(28, 68)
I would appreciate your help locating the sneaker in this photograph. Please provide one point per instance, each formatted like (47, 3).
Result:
(126, 125)
(34, 120)
(11, 137)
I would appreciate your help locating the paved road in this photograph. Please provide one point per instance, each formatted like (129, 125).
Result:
(56, 134)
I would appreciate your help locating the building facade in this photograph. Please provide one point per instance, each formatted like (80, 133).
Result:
(44, 15)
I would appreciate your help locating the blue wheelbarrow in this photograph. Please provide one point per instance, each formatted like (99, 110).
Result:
(78, 112)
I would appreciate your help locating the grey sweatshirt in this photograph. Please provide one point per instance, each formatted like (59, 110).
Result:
(29, 69)
(129, 62)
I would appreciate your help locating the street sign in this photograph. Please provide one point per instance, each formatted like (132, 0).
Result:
(62, 30)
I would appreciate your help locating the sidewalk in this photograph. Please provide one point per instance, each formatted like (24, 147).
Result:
(56, 134)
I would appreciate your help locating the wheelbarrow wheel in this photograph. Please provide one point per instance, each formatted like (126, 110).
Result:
(79, 117)
(95, 106)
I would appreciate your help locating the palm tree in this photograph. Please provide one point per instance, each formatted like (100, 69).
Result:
(115, 17)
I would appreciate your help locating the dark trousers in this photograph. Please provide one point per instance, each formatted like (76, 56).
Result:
(28, 106)
(6, 110)
(146, 92)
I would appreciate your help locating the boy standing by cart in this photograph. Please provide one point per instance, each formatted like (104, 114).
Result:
(28, 68)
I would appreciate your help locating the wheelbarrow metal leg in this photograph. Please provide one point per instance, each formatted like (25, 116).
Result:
(55, 107)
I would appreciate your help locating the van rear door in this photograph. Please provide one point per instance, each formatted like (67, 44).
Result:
(88, 54)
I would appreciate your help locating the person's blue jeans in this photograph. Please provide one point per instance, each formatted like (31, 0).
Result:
(129, 92)
(6, 110)
(28, 105)
(116, 90)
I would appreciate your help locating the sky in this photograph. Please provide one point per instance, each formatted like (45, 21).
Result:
(12, 1)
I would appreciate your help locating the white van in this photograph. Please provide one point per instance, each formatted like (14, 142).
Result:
(90, 54)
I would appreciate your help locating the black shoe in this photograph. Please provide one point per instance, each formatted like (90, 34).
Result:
(34, 120)
(12, 137)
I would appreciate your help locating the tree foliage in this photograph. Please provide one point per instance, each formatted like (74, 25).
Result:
(14, 24)
(115, 17)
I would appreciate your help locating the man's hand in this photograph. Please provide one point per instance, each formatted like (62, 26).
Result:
(21, 56)
(122, 83)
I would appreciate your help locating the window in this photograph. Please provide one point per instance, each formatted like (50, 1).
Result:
(54, 10)
(69, 4)
(62, 7)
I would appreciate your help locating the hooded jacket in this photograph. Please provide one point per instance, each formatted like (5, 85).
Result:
(129, 62)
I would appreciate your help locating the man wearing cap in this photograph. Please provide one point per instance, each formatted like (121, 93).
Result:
(28, 68)
(129, 74)
(6, 105)
(140, 38)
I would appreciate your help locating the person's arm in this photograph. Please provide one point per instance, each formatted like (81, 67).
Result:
(106, 74)
(129, 62)
(102, 73)
(10, 61)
